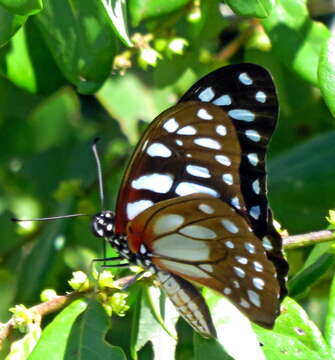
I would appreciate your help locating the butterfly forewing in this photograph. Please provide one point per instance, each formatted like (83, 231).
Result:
(248, 95)
(190, 148)
(206, 241)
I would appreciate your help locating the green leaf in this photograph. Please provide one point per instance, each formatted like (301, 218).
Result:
(330, 320)
(16, 64)
(256, 8)
(320, 259)
(327, 73)
(230, 323)
(164, 339)
(9, 25)
(87, 337)
(208, 349)
(294, 336)
(22, 348)
(26, 60)
(117, 12)
(300, 182)
(41, 258)
(53, 342)
(79, 35)
(144, 323)
(146, 9)
(295, 38)
(128, 101)
(23, 7)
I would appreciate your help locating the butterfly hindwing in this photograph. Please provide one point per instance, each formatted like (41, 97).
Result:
(206, 241)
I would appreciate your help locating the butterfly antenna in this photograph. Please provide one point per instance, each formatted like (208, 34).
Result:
(97, 160)
(49, 218)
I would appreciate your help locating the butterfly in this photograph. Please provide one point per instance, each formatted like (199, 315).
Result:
(193, 208)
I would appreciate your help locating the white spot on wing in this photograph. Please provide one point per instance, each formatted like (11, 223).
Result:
(253, 159)
(253, 135)
(255, 212)
(207, 94)
(205, 208)
(230, 226)
(260, 97)
(267, 244)
(245, 79)
(221, 130)
(254, 298)
(188, 188)
(158, 149)
(135, 208)
(179, 142)
(171, 125)
(256, 186)
(223, 100)
(258, 283)
(244, 303)
(198, 232)
(250, 247)
(258, 266)
(229, 244)
(168, 223)
(207, 267)
(223, 159)
(187, 130)
(181, 247)
(236, 202)
(159, 183)
(228, 179)
(239, 272)
(207, 143)
(204, 114)
(185, 269)
(199, 171)
(242, 260)
(242, 114)
(227, 291)
(236, 284)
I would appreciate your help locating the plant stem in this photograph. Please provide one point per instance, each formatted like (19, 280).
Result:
(308, 239)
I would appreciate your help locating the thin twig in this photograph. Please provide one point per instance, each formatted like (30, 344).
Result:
(234, 46)
(308, 239)
(53, 305)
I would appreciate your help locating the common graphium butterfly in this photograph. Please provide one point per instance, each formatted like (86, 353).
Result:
(192, 207)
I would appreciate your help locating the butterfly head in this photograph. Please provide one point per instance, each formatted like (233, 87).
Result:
(103, 224)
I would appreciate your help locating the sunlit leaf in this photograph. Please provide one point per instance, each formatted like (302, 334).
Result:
(55, 336)
(79, 35)
(294, 336)
(87, 337)
(300, 182)
(117, 11)
(230, 323)
(145, 9)
(295, 38)
(327, 73)
(9, 25)
(23, 7)
(256, 8)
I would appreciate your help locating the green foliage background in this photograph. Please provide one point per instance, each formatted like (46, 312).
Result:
(72, 70)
